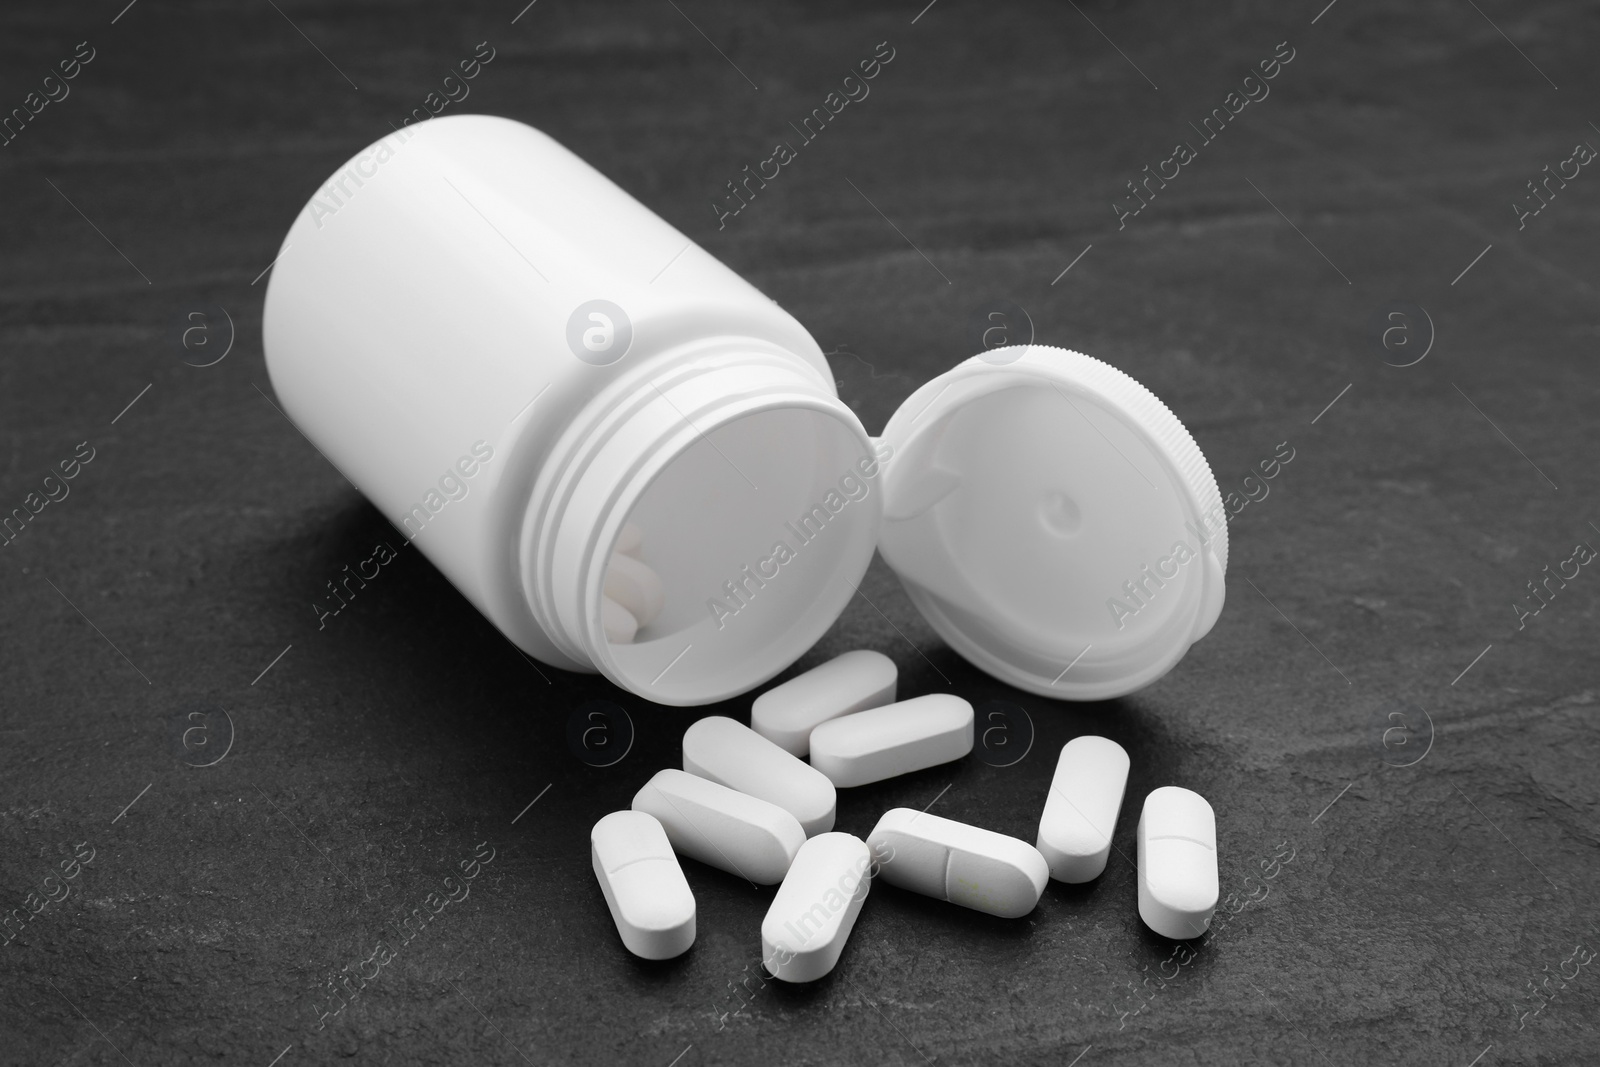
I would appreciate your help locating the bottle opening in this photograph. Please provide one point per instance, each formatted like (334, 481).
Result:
(755, 532)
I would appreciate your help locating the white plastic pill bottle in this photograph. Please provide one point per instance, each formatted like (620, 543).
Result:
(513, 358)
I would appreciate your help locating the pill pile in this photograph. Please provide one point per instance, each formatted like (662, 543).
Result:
(748, 803)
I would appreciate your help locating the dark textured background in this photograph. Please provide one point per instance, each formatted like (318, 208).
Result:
(1416, 913)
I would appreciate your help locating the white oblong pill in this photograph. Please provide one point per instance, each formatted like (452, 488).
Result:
(629, 540)
(869, 746)
(722, 827)
(636, 587)
(731, 753)
(644, 887)
(1177, 863)
(1080, 814)
(966, 865)
(617, 621)
(815, 908)
(786, 714)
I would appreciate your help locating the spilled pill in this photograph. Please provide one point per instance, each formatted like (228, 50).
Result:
(722, 827)
(736, 756)
(1177, 863)
(1080, 814)
(636, 587)
(644, 887)
(786, 714)
(963, 864)
(617, 621)
(811, 916)
(869, 746)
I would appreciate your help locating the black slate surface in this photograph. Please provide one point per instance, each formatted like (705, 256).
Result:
(1412, 903)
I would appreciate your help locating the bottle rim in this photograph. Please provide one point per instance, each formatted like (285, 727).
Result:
(630, 440)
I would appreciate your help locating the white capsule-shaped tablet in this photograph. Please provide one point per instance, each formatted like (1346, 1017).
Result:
(1177, 863)
(731, 753)
(869, 746)
(617, 621)
(963, 864)
(815, 908)
(786, 714)
(722, 827)
(644, 887)
(636, 587)
(629, 540)
(1080, 814)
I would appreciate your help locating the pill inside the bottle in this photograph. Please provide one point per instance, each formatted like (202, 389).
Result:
(629, 539)
(1177, 863)
(811, 916)
(644, 887)
(636, 587)
(731, 753)
(786, 714)
(967, 865)
(733, 831)
(1080, 813)
(869, 746)
(617, 622)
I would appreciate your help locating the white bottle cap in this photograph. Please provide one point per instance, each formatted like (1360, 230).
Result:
(1054, 522)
